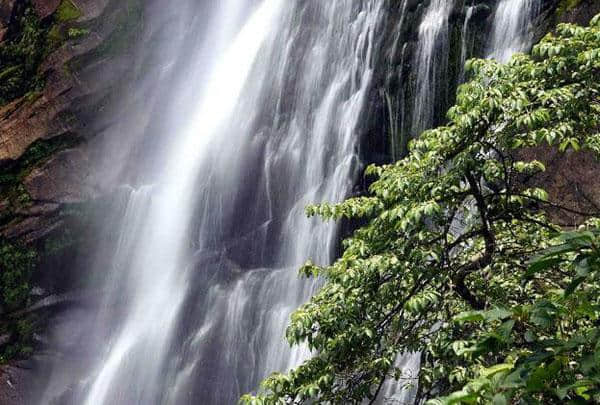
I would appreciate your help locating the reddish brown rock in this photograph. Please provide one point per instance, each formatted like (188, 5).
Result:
(19, 229)
(33, 228)
(6, 10)
(39, 209)
(45, 7)
(583, 13)
(11, 392)
(22, 122)
(571, 180)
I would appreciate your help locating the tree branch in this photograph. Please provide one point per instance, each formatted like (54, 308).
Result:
(485, 259)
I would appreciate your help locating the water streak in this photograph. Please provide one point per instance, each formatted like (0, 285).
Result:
(512, 31)
(466, 43)
(431, 64)
(157, 284)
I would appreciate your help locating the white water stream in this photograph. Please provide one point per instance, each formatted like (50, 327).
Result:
(204, 277)
(158, 282)
(512, 31)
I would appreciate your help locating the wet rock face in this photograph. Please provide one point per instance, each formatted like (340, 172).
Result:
(11, 391)
(23, 122)
(49, 112)
(392, 106)
(63, 180)
(392, 100)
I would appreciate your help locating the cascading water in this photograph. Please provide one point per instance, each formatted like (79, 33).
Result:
(156, 280)
(511, 32)
(395, 111)
(204, 277)
(431, 64)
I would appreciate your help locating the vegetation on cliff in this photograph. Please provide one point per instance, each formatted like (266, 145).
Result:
(16, 269)
(459, 263)
(28, 43)
(21, 57)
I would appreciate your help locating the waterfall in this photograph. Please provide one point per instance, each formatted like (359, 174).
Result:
(307, 92)
(157, 283)
(431, 63)
(204, 275)
(266, 118)
(511, 30)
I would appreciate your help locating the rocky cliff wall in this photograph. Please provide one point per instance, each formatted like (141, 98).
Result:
(61, 62)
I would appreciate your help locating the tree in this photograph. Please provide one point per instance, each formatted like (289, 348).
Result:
(442, 267)
(551, 346)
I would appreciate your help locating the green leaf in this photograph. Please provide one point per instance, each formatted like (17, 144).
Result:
(469, 316)
(505, 330)
(579, 386)
(498, 368)
(543, 263)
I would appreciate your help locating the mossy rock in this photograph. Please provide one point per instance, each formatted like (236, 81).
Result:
(11, 186)
(567, 5)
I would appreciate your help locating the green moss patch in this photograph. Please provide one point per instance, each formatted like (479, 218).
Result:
(67, 11)
(41, 150)
(30, 41)
(16, 268)
(567, 5)
(76, 33)
(20, 338)
(17, 264)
